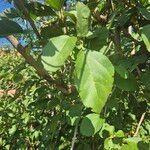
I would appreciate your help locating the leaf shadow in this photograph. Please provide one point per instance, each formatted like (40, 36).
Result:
(52, 52)
(82, 69)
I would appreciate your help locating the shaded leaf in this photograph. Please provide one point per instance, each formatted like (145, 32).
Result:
(98, 39)
(146, 36)
(51, 31)
(83, 17)
(91, 124)
(8, 27)
(123, 72)
(10, 13)
(145, 13)
(146, 79)
(38, 9)
(129, 84)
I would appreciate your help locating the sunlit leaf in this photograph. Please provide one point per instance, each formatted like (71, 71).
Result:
(94, 79)
(56, 52)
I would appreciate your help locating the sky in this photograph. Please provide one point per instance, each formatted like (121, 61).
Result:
(4, 5)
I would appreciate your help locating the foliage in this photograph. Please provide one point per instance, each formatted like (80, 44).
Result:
(83, 79)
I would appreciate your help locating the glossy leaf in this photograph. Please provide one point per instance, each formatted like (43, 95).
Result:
(91, 124)
(94, 79)
(56, 52)
(83, 17)
(8, 27)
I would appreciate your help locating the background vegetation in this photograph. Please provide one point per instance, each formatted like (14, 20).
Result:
(82, 80)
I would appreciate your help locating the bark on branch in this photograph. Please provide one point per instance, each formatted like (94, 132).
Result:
(37, 66)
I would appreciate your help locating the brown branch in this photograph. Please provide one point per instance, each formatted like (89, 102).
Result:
(139, 124)
(21, 7)
(117, 42)
(101, 19)
(37, 66)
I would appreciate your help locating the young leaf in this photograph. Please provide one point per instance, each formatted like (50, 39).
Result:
(56, 4)
(94, 79)
(8, 27)
(56, 52)
(83, 16)
(91, 124)
(146, 36)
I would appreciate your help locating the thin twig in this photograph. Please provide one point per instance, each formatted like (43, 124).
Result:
(63, 20)
(139, 124)
(117, 41)
(74, 137)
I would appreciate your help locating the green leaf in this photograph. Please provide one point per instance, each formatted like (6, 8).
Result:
(132, 143)
(56, 52)
(106, 131)
(119, 133)
(91, 124)
(98, 39)
(129, 84)
(10, 13)
(56, 4)
(94, 79)
(109, 144)
(146, 79)
(145, 13)
(51, 31)
(146, 36)
(38, 9)
(71, 14)
(83, 17)
(8, 27)
(17, 78)
(12, 130)
(123, 72)
(74, 114)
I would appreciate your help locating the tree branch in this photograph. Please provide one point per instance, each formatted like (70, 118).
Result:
(74, 137)
(117, 42)
(139, 124)
(37, 66)
(21, 7)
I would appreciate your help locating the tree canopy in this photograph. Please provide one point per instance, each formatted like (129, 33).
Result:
(79, 77)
